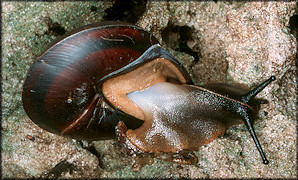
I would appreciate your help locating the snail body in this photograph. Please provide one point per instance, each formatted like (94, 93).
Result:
(113, 80)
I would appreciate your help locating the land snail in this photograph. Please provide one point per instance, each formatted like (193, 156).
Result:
(113, 80)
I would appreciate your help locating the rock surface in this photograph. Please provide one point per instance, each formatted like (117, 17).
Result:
(233, 42)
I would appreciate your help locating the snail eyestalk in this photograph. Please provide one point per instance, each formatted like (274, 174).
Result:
(251, 94)
(246, 119)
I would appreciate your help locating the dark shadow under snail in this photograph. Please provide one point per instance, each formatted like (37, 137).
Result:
(113, 80)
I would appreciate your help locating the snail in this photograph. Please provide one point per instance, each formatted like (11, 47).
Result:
(114, 80)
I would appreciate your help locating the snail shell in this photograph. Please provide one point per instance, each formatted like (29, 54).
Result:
(62, 92)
